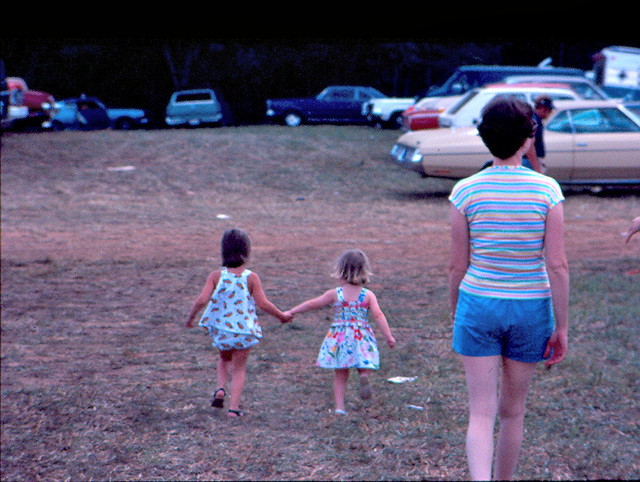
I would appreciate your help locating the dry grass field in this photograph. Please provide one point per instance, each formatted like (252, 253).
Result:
(108, 236)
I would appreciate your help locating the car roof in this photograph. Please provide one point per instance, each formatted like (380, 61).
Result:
(585, 103)
(525, 86)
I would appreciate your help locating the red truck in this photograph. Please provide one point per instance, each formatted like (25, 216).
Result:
(40, 105)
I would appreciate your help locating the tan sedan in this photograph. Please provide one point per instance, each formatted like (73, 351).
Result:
(587, 142)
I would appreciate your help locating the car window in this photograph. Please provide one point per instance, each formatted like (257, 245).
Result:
(193, 97)
(339, 95)
(602, 120)
(561, 96)
(87, 104)
(586, 91)
(560, 123)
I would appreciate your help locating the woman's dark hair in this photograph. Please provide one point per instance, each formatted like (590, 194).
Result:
(506, 124)
(235, 248)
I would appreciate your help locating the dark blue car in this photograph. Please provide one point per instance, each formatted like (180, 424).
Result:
(335, 104)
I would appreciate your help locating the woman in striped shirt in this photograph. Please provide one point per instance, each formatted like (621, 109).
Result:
(508, 285)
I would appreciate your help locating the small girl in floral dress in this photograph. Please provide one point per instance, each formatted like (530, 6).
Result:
(350, 342)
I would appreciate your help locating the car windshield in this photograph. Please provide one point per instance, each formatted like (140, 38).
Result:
(466, 98)
(375, 93)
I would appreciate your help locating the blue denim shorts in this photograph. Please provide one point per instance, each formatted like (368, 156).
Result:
(516, 329)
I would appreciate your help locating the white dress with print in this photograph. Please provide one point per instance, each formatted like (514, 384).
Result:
(230, 315)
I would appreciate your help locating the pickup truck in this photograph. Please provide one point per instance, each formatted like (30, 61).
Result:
(89, 113)
(387, 112)
(335, 104)
(27, 108)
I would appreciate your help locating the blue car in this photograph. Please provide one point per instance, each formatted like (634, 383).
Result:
(89, 113)
(335, 104)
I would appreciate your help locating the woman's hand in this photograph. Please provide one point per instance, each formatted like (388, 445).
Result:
(556, 347)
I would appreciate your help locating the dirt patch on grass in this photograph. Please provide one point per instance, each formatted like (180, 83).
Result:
(107, 237)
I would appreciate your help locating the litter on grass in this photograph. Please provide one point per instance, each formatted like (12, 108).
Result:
(223, 216)
(415, 407)
(401, 379)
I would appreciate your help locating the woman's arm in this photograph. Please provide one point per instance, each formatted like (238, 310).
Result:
(202, 300)
(558, 270)
(255, 288)
(459, 257)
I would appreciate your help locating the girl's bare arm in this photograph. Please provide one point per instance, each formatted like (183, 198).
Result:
(202, 300)
(255, 288)
(327, 298)
(380, 319)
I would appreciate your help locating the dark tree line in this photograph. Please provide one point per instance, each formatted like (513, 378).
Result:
(144, 72)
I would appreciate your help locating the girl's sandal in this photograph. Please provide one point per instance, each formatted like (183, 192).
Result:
(236, 413)
(217, 401)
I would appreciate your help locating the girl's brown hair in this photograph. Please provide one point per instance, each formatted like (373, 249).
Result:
(235, 248)
(353, 267)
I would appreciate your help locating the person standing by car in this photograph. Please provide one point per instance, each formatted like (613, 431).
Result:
(534, 158)
(508, 284)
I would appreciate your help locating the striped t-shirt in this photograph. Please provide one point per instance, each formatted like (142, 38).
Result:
(506, 208)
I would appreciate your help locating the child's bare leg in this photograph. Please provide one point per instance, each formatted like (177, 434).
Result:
(238, 370)
(340, 378)
(222, 372)
(514, 387)
(482, 384)
(365, 388)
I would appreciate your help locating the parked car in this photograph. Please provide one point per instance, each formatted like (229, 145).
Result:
(195, 107)
(425, 114)
(339, 104)
(587, 143)
(39, 106)
(467, 111)
(387, 112)
(470, 77)
(89, 113)
(583, 86)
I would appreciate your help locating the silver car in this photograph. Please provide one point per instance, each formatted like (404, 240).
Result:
(587, 143)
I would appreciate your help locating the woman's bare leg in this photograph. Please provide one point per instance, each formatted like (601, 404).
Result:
(514, 387)
(482, 384)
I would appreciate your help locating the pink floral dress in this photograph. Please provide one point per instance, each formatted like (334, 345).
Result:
(230, 315)
(350, 342)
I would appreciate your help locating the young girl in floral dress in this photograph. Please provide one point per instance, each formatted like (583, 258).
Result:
(231, 295)
(350, 342)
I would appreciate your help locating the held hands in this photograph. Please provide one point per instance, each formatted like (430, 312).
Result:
(558, 342)
(287, 317)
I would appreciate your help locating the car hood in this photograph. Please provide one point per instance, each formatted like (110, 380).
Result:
(445, 140)
(394, 100)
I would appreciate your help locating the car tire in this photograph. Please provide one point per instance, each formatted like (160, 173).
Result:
(124, 124)
(396, 121)
(292, 119)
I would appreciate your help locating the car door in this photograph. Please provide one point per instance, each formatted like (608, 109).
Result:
(607, 145)
(91, 115)
(340, 104)
(559, 141)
